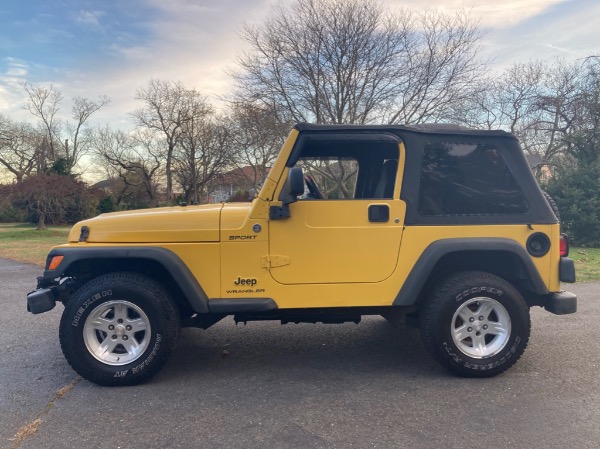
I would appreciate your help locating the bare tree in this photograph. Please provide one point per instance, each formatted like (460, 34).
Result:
(64, 139)
(351, 61)
(135, 160)
(44, 103)
(204, 154)
(20, 145)
(544, 105)
(258, 135)
(167, 108)
(81, 111)
(506, 102)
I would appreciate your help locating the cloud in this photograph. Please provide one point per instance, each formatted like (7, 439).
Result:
(566, 29)
(89, 18)
(11, 82)
(491, 13)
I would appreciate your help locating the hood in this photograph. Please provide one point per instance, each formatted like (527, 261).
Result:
(160, 225)
(235, 215)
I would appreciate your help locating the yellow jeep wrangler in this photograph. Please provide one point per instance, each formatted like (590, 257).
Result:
(441, 226)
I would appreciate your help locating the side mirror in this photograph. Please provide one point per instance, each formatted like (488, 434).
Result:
(292, 189)
(295, 181)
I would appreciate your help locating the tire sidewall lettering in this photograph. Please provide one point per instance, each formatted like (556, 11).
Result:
(151, 356)
(87, 303)
(466, 294)
(480, 365)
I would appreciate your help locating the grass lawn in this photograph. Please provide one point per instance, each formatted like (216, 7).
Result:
(587, 263)
(24, 243)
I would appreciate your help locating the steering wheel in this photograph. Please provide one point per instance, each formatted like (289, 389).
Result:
(313, 188)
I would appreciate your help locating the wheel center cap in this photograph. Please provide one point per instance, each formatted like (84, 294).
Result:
(120, 330)
(477, 325)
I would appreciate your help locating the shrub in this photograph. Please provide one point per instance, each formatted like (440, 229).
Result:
(54, 199)
(576, 191)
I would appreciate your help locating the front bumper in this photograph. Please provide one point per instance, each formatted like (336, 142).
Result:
(561, 303)
(41, 300)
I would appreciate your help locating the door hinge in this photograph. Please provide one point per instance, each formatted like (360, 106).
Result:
(274, 261)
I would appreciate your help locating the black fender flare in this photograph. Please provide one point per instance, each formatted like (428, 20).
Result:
(419, 274)
(177, 269)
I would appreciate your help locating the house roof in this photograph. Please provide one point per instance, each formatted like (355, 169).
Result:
(238, 175)
(534, 160)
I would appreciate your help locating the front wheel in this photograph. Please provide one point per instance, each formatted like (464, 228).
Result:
(475, 324)
(119, 329)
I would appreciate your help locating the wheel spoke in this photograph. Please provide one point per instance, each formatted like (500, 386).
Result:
(137, 324)
(105, 348)
(460, 333)
(131, 346)
(485, 309)
(101, 324)
(465, 313)
(479, 345)
(120, 311)
(496, 329)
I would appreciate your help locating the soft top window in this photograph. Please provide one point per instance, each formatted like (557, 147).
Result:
(467, 179)
(349, 166)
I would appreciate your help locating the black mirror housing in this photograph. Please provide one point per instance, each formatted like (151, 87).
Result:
(295, 181)
(292, 189)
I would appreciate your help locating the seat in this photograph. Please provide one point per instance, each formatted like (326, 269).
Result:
(385, 186)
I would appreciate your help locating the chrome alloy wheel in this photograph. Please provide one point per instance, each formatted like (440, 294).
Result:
(480, 327)
(117, 332)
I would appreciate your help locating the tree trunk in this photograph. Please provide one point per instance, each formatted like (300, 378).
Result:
(41, 225)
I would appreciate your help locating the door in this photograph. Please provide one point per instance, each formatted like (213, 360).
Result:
(347, 227)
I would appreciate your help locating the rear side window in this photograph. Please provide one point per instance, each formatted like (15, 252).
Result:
(467, 179)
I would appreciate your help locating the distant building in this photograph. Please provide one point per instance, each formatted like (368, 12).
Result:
(233, 182)
(537, 165)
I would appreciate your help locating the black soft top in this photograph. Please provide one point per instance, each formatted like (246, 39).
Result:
(424, 128)
(416, 138)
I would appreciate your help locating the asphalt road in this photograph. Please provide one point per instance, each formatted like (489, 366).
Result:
(301, 386)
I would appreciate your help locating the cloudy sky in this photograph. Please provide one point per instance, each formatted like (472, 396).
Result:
(113, 47)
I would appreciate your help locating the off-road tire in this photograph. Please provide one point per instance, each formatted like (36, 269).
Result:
(438, 323)
(128, 292)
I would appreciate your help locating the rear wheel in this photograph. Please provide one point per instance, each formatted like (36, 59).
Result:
(475, 324)
(119, 329)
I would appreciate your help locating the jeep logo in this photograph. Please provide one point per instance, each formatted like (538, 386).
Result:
(250, 281)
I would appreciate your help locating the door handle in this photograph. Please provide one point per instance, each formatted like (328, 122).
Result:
(379, 213)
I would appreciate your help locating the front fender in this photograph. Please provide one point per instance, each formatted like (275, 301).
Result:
(173, 265)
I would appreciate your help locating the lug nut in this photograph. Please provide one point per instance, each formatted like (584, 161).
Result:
(111, 327)
(478, 333)
(469, 329)
(119, 321)
(128, 327)
(481, 318)
(114, 337)
(485, 326)
(471, 319)
(125, 337)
